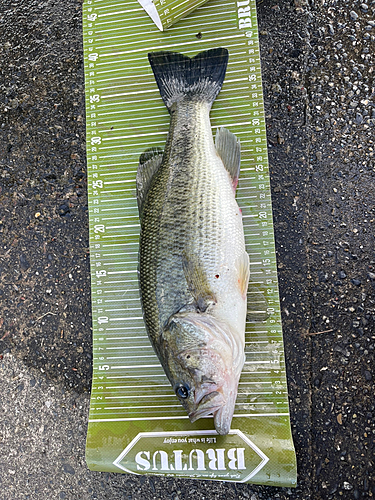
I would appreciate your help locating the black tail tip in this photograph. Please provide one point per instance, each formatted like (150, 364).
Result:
(221, 54)
(178, 75)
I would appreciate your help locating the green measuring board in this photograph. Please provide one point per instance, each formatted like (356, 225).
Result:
(136, 423)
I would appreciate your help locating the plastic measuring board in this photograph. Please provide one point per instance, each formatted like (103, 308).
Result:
(136, 423)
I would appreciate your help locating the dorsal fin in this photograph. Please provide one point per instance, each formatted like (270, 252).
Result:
(228, 148)
(149, 163)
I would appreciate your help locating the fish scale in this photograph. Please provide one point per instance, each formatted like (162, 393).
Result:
(198, 202)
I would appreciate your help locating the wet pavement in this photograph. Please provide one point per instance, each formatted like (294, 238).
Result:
(318, 64)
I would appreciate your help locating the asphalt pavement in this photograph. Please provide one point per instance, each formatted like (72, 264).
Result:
(318, 74)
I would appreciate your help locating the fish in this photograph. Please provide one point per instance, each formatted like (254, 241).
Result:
(193, 266)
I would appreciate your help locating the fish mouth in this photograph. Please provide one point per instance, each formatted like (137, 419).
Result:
(218, 404)
(208, 405)
(224, 414)
(204, 391)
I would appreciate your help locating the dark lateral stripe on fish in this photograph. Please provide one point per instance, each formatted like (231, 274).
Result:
(178, 76)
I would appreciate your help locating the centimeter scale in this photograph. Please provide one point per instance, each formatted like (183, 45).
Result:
(136, 423)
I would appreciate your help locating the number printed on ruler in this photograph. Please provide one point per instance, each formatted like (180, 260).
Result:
(95, 184)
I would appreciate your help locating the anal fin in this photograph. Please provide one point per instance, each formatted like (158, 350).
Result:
(149, 163)
(242, 265)
(228, 148)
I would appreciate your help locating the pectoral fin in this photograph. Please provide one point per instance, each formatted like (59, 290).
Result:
(228, 148)
(197, 281)
(149, 163)
(243, 272)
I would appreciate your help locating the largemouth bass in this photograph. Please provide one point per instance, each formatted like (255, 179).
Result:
(193, 267)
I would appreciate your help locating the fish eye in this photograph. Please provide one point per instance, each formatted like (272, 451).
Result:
(182, 391)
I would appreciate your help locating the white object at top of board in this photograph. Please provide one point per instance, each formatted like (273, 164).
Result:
(150, 8)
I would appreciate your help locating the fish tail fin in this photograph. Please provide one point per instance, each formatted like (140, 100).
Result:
(200, 77)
